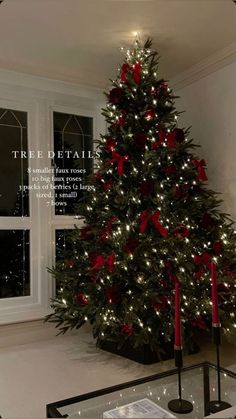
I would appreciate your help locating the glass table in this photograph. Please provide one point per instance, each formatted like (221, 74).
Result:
(199, 386)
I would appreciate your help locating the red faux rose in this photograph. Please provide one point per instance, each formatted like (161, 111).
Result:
(175, 136)
(107, 185)
(121, 120)
(130, 246)
(154, 91)
(127, 329)
(110, 144)
(203, 259)
(69, 263)
(181, 191)
(146, 187)
(86, 233)
(149, 115)
(113, 295)
(140, 139)
(179, 135)
(198, 274)
(217, 247)
(181, 231)
(98, 176)
(116, 95)
(170, 169)
(81, 299)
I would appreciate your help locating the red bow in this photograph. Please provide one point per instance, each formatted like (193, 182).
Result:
(154, 217)
(161, 140)
(107, 229)
(124, 69)
(136, 68)
(99, 261)
(202, 260)
(200, 166)
(136, 73)
(171, 139)
(117, 158)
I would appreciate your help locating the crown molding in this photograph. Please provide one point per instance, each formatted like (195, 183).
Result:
(44, 84)
(205, 67)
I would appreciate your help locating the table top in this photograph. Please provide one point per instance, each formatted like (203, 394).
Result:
(159, 388)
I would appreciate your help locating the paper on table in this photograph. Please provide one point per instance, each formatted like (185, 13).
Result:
(144, 408)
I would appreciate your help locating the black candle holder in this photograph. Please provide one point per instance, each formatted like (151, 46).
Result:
(217, 405)
(179, 405)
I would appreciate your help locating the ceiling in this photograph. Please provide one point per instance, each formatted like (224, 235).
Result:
(79, 40)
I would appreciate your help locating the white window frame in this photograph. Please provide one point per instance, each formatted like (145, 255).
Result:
(67, 222)
(40, 98)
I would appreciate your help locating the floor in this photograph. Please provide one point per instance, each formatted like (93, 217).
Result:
(37, 367)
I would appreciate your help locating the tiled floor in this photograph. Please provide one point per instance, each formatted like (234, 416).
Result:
(44, 368)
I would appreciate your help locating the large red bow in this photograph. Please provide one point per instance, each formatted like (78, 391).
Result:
(202, 260)
(136, 68)
(145, 217)
(117, 158)
(200, 166)
(99, 261)
(170, 136)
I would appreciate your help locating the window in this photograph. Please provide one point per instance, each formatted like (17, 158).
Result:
(33, 234)
(14, 202)
(73, 136)
(73, 148)
(15, 266)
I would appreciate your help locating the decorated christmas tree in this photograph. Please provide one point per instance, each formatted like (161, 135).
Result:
(151, 221)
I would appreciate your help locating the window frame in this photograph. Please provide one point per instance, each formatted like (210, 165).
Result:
(67, 222)
(40, 103)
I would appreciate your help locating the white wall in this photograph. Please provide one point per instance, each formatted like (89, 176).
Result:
(210, 105)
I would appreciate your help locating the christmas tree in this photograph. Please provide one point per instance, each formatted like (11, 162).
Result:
(150, 222)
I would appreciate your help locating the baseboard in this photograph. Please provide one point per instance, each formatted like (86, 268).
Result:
(25, 332)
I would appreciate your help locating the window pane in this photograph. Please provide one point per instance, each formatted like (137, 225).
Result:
(73, 136)
(64, 249)
(13, 171)
(64, 244)
(14, 267)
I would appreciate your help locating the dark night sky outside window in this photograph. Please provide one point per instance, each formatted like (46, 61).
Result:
(72, 133)
(15, 265)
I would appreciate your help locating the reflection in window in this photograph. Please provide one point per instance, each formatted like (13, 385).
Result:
(72, 134)
(15, 266)
(65, 249)
(13, 171)
(64, 244)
